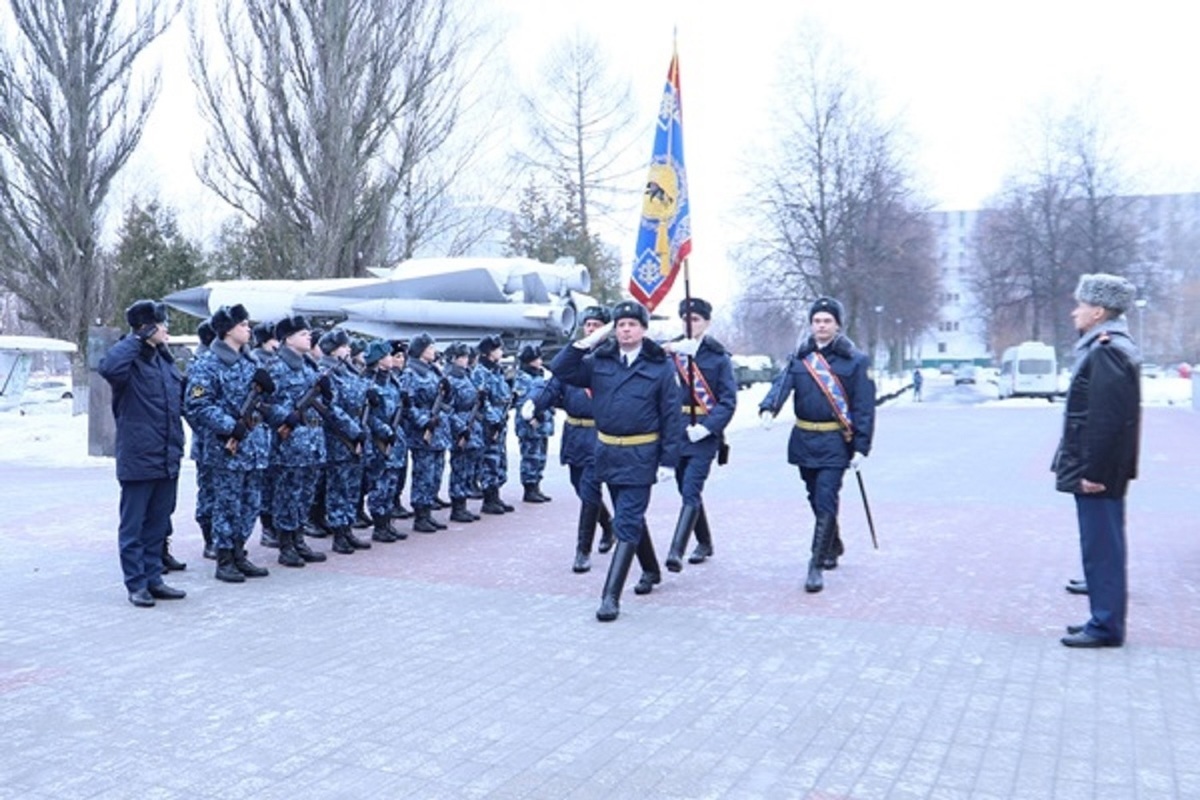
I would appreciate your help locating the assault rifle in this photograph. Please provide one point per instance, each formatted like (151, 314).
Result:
(306, 401)
(481, 396)
(248, 414)
(441, 402)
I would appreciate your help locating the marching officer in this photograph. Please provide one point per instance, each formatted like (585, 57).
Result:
(636, 403)
(710, 399)
(577, 450)
(533, 434)
(834, 401)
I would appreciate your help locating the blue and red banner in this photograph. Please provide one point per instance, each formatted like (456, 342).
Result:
(665, 231)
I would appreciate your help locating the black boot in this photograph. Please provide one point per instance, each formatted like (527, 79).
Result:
(537, 487)
(704, 547)
(381, 532)
(206, 531)
(587, 532)
(459, 511)
(651, 575)
(618, 571)
(309, 555)
(399, 511)
(439, 503)
(170, 562)
(268, 537)
(822, 534)
(288, 555)
(243, 563)
(437, 523)
(606, 528)
(531, 494)
(355, 542)
(506, 506)
(491, 502)
(422, 522)
(341, 544)
(226, 570)
(683, 529)
(836, 548)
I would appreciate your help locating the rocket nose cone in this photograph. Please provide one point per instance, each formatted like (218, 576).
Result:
(192, 301)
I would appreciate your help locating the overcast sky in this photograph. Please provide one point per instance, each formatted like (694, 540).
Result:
(964, 78)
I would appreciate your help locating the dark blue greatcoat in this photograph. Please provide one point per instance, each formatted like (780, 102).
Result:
(713, 363)
(147, 403)
(578, 445)
(628, 401)
(826, 449)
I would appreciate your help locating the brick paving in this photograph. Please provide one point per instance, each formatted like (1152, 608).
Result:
(468, 664)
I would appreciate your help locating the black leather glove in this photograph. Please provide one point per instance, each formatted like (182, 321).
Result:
(294, 420)
(262, 379)
(146, 331)
(374, 399)
(239, 431)
(326, 386)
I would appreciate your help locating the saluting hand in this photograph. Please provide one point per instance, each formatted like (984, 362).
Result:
(595, 337)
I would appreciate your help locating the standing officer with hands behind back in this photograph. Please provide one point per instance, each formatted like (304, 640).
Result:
(834, 402)
(636, 407)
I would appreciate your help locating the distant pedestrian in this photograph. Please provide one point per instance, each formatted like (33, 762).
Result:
(1097, 455)
(918, 380)
(147, 404)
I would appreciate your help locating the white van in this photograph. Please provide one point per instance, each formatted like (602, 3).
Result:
(1028, 369)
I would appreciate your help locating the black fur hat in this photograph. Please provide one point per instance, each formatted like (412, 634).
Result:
(399, 348)
(599, 313)
(143, 312)
(419, 344)
(264, 332)
(206, 333)
(332, 340)
(489, 343)
(631, 309)
(376, 350)
(694, 305)
(289, 325)
(226, 318)
(829, 306)
(529, 353)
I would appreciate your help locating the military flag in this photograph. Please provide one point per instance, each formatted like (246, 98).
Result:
(665, 231)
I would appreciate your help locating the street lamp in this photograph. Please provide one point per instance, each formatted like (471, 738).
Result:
(1141, 307)
(875, 343)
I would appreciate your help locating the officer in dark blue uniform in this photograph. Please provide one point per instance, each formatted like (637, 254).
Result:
(577, 450)
(834, 401)
(706, 377)
(147, 404)
(636, 403)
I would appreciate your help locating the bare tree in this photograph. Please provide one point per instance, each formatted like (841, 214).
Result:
(1064, 215)
(581, 121)
(840, 216)
(318, 97)
(70, 118)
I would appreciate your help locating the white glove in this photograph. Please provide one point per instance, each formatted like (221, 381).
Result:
(527, 410)
(685, 347)
(767, 419)
(857, 460)
(664, 474)
(595, 337)
(697, 432)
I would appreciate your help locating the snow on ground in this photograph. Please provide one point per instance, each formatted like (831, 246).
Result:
(48, 434)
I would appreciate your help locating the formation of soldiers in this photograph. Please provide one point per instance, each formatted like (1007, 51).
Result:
(312, 434)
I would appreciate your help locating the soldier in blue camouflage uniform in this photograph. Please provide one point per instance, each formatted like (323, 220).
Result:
(298, 449)
(488, 377)
(577, 450)
(533, 435)
(386, 418)
(344, 444)
(427, 426)
(466, 431)
(204, 491)
(265, 347)
(237, 448)
(400, 454)
(710, 398)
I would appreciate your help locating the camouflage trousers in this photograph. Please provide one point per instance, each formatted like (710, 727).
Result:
(533, 459)
(380, 483)
(204, 493)
(237, 499)
(427, 469)
(464, 464)
(292, 492)
(493, 467)
(343, 486)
